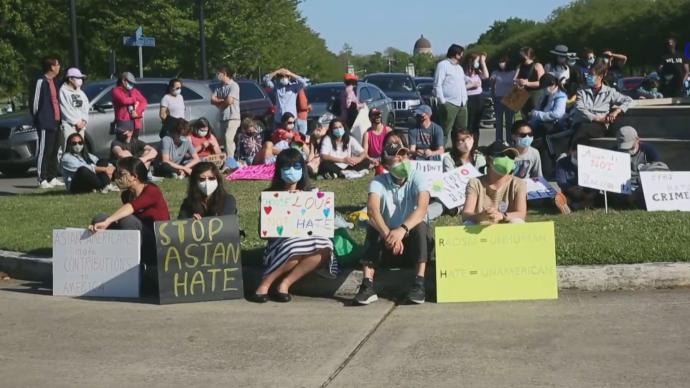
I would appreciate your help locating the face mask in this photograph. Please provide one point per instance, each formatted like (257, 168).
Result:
(129, 86)
(573, 160)
(219, 76)
(77, 148)
(285, 81)
(654, 90)
(176, 92)
(524, 142)
(571, 62)
(591, 80)
(401, 170)
(475, 65)
(78, 82)
(606, 61)
(291, 175)
(202, 133)
(122, 183)
(590, 61)
(502, 65)
(466, 145)
(290, 126)
(503, 165)
(338, 132)
(207, 187)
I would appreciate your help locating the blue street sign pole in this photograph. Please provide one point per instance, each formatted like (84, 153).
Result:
(140, 41)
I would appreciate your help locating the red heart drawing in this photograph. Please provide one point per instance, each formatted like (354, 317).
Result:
(265, 232)
(320, 194)
(268, 209)
(275, 195)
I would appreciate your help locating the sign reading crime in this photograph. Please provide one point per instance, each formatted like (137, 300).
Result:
(602, 169)
(103, 264)
(298, 214)
(666, 190)
(199, 260)
(496, 262)
(450, 187)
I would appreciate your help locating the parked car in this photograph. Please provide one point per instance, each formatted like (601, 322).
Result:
(629, 85)
(18, 137)
(324, 97)
(402, 89)
(255, 103)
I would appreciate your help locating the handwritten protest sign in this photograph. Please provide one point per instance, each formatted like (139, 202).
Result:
(361, 124)
(602, 169)
(199, 260)
(431, 168)
(299, 214)
(103, 264)
(450, 187)
(539, 188)
(262, 172)
(497, 262)
(666, 190)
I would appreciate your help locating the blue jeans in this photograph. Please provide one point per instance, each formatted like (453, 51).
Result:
(502, 112)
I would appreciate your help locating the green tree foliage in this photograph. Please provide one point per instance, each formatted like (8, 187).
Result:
(390, 60)
(252, 37)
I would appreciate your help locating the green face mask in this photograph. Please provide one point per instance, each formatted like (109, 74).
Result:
(401, 170)
(503, 165)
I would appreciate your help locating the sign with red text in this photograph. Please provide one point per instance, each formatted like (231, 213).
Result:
(666, 190)
(450, 187)
(297, 214)
(602, 169)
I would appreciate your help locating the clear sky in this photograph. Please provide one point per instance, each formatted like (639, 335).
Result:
(374, 25)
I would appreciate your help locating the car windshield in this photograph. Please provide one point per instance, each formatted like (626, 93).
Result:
(323, 94)
(92, 90)
(392, 84)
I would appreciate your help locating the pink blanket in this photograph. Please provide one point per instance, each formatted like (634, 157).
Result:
(262, 172)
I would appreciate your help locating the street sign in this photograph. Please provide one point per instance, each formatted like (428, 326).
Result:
(139, 32)
(139, 40)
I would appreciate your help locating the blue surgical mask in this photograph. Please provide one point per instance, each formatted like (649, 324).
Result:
(591, 80)
(291, 175)
(524, 142)
(129, 86)
(476, 65)
(339, 132)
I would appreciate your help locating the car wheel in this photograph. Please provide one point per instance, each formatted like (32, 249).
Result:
(14, 171)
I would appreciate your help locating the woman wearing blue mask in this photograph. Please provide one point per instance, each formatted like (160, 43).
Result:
(178, 155)
(340, 152)
(291, 258)
(528, 161)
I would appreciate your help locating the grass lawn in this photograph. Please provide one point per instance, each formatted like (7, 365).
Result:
(587, 237)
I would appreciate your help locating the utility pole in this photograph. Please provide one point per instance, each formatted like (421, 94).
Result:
(73, 22)
(202, 37)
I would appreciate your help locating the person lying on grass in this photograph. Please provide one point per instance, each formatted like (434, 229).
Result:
(397, 232)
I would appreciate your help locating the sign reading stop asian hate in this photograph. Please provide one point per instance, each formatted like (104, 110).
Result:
(199, 260)
(602, 169)
(496, 262)
(666, 190)
(297, 214)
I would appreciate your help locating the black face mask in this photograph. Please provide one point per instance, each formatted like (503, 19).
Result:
(420, 121)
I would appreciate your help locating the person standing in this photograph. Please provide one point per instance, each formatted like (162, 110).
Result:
(289, 85)
(674, 70)
(227, 100)
(303, 109)
(129, 104)
(349, 102)
(172, 106)
(528, 75)
(45, 110)
(450, 90)
(475, 68)
(74, 105)
(502, 82)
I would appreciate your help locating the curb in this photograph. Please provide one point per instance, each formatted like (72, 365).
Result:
(614, 277)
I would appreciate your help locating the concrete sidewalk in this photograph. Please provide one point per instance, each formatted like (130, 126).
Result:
(583, 339)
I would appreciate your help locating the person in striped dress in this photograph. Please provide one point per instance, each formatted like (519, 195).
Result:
(291, 258)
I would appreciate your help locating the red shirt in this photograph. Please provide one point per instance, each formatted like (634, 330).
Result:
(199, 141)
(122, 99)
(286, 134)
(54, 98)
(149, 206)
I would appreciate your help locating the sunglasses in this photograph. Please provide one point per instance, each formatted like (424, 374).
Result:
(296, 166)
(204, 179)
(77, 143)
(523, 135)
(290, 122)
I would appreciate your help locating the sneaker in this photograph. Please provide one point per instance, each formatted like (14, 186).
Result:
(44, 184)
(561, 202)
(179, 176)
(113, 188)
(417, 295)
(56, 182)
(366, 294)
(329, 176)
(154, 179)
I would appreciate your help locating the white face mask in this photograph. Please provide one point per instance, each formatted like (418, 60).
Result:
(176, 92)
(285, 81)
(77, 148)
(202, 133)
(78, 82)
(208, 187)
(129, 86)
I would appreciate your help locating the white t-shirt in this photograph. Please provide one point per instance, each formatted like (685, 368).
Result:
(175, 105)
(352, 149)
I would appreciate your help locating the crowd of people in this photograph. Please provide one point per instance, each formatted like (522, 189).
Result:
(564, 96)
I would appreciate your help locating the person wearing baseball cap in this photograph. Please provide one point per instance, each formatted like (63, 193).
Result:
(74, 105)
(372, 141)
(129, 104)
(397, 230)
(349, 102)
(497, 196)
(426, 138)
(641, 153)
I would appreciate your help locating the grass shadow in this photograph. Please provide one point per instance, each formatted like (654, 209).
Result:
(35, 288)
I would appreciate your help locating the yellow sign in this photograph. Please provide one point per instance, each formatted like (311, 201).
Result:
(496, 262)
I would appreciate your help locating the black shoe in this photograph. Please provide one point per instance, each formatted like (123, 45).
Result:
(259, 298)
(366, 294)
(282, 297)
(417, 295)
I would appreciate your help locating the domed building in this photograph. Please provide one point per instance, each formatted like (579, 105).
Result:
(422, 46)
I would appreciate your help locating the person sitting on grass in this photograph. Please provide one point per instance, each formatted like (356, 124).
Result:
(314, 142)
(372, 142)
(397, 206)
(283, 137)
(205, 142)
(82, 171)
(426, 139)
(125, 146)
(293, 257)
(143, 204)
(528, 160)
(497, 196)
(341, 152)
(206, 196)
(178, 155)
(249, 141)
(572, 196)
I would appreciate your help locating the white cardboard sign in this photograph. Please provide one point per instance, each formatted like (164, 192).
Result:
(299, 214)
(450, 187)
(666, 190)
(103, 264)
(602, 169)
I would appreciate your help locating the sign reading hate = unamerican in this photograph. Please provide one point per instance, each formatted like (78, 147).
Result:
(199, 260)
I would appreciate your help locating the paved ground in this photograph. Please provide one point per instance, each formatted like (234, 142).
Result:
(583, 339)
(16, 185)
